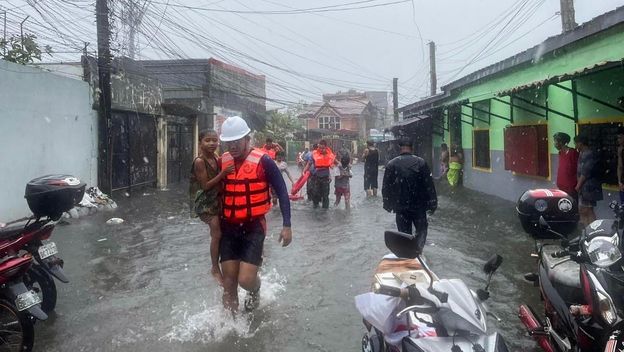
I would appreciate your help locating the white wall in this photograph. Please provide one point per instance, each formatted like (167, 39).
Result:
(47, 126)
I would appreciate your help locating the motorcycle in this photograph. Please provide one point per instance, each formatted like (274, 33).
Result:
(33, 237)
(48, 197)
(582, 286)
(19, 306)
(410, 309)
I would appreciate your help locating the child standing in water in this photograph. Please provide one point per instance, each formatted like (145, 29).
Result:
(341, 184)
(205, 193)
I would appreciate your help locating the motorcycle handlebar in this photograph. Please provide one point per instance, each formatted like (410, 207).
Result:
(560, 254)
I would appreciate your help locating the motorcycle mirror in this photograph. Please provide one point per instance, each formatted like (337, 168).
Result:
(492, 264)
(543, 223)
(482, 294)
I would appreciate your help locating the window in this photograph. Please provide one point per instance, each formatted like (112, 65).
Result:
(329, 122)
(526, 150)
(481, 148)
(603, 139)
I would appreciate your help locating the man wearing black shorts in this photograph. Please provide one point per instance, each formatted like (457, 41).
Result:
(246, 199)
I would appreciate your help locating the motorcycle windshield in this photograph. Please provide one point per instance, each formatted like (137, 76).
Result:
(461, 311)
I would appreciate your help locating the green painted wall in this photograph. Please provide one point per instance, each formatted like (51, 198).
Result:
(606, 85)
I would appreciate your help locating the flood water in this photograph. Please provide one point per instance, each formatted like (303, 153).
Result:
(144, 285)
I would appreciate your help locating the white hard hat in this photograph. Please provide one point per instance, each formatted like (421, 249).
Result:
(233, 128)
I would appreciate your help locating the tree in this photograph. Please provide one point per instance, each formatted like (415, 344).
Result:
(22, 50)
(280, 127)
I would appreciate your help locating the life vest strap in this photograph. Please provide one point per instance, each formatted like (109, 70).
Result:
(242, 193)
(243, 206)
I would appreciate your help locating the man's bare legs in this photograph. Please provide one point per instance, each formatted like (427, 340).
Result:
(230, 270)
(237, 273)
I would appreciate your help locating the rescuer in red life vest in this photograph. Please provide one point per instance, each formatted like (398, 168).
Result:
(272, 148)
(246, 199)
(323, 158)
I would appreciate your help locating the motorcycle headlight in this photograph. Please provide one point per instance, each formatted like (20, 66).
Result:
(541, 205)
(603, 251)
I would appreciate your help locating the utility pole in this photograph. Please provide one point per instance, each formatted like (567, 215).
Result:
(395, 98)
(133, 18)
(432, 68)
(567, 15)
(4, 33)
(22, 30)
(105, 157)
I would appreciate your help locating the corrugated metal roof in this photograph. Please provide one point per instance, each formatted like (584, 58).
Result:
(561, 77)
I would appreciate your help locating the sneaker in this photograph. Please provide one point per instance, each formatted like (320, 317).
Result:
(252, 301)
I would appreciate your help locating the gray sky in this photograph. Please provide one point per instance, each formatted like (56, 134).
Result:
(306, 54)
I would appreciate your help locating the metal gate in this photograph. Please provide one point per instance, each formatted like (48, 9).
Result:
(179, 152)
(134, 149)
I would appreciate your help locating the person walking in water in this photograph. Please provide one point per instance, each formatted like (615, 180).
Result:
(371, 168)
(408, 191)
(444, 160)
(456, 161)
(322, 159)
(342, 180)
(246, 200)
(205, 193)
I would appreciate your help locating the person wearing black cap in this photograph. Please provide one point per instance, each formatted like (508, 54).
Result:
(408, 191)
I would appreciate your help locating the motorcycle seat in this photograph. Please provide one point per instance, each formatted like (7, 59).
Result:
(11, 231)
(564, 275)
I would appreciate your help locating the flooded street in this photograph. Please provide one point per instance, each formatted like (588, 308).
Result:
(144, 285)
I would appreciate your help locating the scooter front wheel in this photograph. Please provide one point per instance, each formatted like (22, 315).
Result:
(16, 329)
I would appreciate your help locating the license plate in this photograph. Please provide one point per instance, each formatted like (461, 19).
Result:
(47, 250)
(27, 300)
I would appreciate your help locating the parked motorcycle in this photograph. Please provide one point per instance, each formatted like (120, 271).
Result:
(19, 306)
(411, 309)
(48, 198)
(582, 286)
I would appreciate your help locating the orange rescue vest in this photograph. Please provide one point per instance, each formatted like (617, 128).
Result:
(323, 160)
(245, 196)
(271, 151)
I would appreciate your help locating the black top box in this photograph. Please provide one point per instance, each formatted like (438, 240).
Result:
(558, 208)
(52, 195)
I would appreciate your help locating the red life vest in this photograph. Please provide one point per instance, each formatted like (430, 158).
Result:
(323, 160)
(269, 150)
(245, 196)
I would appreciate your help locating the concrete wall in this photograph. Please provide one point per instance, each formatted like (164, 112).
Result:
(504, 184)
(46, 126)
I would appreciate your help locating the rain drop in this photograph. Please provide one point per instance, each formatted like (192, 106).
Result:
(145, 160)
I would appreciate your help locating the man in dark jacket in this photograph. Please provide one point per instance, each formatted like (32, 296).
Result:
(408, 190)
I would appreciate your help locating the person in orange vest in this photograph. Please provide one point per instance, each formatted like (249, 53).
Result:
(272, 148)
(322, 159)
(246, 200)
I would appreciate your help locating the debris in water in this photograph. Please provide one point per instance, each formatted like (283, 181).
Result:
(115, 221)
(102, 239)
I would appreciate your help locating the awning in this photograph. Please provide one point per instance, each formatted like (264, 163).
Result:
(604, 65)
(409, 121)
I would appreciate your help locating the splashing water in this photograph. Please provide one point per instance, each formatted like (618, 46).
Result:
(212, 323)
